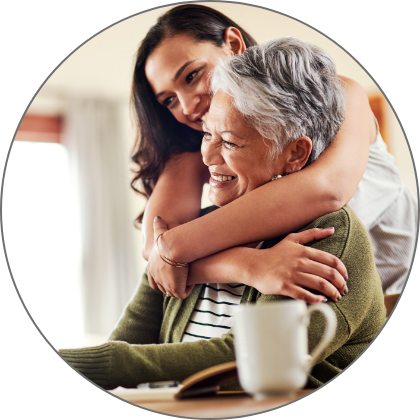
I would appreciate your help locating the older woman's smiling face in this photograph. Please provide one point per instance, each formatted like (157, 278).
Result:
(236, 154)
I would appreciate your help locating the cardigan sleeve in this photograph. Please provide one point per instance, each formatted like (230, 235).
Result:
(132, 355)
(119, 363)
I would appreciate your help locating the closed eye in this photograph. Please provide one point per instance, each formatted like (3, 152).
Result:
(207, 136)
(229, 145)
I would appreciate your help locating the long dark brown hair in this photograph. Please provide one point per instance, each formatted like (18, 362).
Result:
(159, 134)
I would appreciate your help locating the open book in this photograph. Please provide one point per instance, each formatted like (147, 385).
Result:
(207, 381)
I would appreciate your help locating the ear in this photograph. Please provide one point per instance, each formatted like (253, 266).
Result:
(298, 152)
(234, 40)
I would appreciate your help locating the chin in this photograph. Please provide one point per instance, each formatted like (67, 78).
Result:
(220, 201)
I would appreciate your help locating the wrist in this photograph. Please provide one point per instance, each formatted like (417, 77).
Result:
(247, 265)
(173, 246)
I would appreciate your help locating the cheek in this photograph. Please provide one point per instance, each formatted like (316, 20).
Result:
(203, 87)
(243, 168)
(178, 114)
(181, 117)
(252, 177)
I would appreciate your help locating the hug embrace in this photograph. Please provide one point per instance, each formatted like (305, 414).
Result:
(285, 143)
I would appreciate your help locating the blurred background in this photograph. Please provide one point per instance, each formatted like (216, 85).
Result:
(68, 209)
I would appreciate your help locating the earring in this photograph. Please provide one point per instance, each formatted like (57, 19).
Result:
(276, 177)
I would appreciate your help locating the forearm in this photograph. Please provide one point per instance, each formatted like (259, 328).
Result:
(286, 205)
(259, 215)
(176, 197)
(120, 364)
(230, 266)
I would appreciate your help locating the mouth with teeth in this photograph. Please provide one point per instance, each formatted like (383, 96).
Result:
(220, 180)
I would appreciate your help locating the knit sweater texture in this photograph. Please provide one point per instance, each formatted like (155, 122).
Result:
(146, 346)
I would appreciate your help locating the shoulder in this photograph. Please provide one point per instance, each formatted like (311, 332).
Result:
(342, 221)
(349, 234)
(335, 244)
(348, 229)
(352, 86)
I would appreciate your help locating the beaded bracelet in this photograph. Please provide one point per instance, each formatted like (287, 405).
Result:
(166, 259)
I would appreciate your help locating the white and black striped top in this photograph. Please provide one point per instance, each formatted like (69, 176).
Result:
(213, 314)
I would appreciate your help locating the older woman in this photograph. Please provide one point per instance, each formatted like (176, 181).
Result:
(275, 109)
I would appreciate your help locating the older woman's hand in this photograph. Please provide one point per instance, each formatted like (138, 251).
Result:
(168, 279)
(289, 269)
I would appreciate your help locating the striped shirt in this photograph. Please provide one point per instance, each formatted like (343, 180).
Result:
(213, 314)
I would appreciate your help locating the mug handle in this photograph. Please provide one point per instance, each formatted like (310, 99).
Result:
(328, 333)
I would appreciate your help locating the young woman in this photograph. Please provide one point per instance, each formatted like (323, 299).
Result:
(170, 96)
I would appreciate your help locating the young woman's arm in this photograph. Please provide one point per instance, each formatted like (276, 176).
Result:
(288, 268)
(177, 195)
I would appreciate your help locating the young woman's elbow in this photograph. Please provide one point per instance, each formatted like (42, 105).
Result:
(335, 200)
(333, 197)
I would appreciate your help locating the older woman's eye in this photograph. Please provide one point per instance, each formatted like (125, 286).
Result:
(229, 145)
(207, 136)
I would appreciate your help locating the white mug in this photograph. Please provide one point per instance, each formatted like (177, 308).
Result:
(271, 345)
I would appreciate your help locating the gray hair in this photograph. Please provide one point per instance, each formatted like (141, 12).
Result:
(286, 89)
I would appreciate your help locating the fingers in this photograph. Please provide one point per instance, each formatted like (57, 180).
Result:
(331, 275)
(159, 226)
(180, 293)
(161, 288)
(296, 292)
(188, 290)
(316, 283)
(309, 235)
(152, 283)
(330, 262)
(172, 292)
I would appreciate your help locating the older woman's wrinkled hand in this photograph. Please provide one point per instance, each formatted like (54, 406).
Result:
(168, 279)
(292, 269)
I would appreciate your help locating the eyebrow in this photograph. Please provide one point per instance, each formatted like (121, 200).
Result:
(177, 74)
(233, 134)
(223, 132)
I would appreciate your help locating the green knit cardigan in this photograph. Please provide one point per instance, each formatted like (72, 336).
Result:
(146, 344)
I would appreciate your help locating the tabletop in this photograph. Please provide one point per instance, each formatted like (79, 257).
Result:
(221, 405)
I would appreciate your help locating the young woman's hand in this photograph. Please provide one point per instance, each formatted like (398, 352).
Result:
(290, 269)
(169, 280)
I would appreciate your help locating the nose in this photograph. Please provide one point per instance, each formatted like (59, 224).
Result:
(189, 103)
(211, 154)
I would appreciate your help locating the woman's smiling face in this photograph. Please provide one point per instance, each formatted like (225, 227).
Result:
(236, 154)
(178, 71)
